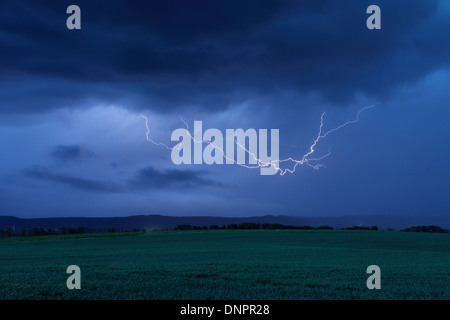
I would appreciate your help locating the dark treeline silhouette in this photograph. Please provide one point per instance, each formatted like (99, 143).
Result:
(33, 232)
(5, 233)
(124, 230)
(189, 227)
(12, 232)
(435, 229)
(266, 226)
(249, 226)
(374, 228)
(66, 230)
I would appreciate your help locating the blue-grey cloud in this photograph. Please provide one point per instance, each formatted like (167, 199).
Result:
(44, 174)
(144, 179)
(273, 64)
(151, 178)
(173, 54)
(70, 153)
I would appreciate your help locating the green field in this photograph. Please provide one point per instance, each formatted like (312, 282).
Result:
(228, 264)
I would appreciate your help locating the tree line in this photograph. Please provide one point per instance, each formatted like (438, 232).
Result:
(434, 229)
(33, 232)
(268, 226)
(12, 232)
(250, 226)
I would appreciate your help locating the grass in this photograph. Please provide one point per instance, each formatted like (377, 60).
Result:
(228, 264)
(71, 236)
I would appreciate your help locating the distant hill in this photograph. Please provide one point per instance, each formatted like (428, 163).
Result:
(160, 222)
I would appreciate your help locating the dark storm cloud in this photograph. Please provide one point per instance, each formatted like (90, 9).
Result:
(70, 153)
(146, 178)
(89, 185)
(150, 178)
(171, 54)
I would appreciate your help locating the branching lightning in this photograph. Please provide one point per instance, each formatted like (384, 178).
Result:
(147, 135)
(306, 159)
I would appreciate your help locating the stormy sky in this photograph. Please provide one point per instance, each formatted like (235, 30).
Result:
(73, 142)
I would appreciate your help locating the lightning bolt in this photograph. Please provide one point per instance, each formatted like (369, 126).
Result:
(147, 134)
(306, 159)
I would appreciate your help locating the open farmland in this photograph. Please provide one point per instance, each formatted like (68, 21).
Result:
(228, 264)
